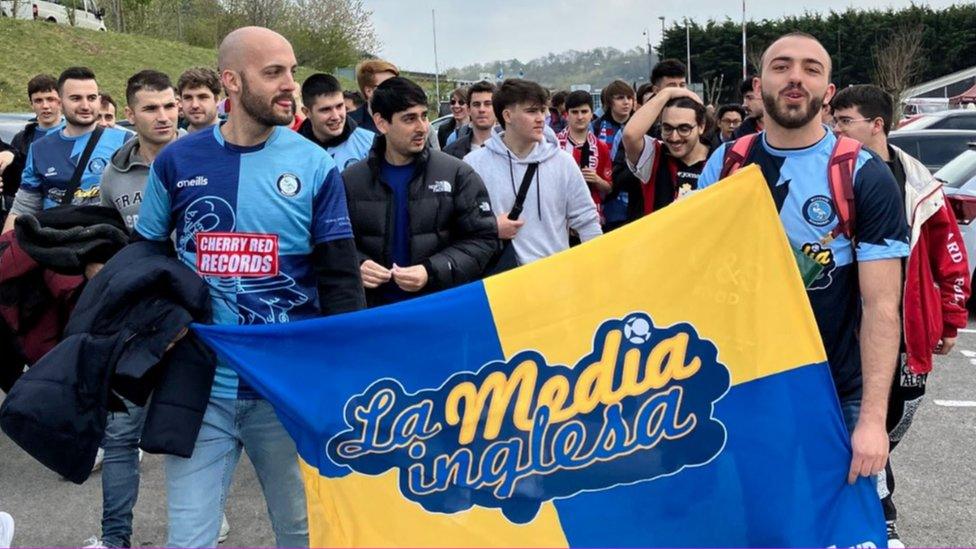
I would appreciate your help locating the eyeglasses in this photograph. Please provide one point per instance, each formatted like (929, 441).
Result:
(457, 102)
(731, 123)
(845, 121)
(683, 130)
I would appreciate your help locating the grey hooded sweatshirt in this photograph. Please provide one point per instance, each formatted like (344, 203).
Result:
(124, 181)
(557, 201)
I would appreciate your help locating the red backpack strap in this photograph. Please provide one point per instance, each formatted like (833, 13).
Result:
(840, 178)
(648, 187)
(736, 154)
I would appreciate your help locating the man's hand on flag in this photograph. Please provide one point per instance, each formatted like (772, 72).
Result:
(870, 444)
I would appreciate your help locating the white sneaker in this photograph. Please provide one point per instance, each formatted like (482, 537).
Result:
(93, 543)
(6, 529)
(224, 529)
(99, 458)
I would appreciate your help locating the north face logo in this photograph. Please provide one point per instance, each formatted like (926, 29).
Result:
(440, 187)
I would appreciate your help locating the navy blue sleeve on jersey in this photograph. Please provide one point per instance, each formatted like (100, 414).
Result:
(880, 226)
(330, 215)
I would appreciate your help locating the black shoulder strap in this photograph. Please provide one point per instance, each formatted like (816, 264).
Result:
(523, 191)
(29, 131)
(75, 181)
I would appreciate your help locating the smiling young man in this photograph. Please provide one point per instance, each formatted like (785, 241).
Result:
(668, 168)
(856, 297)
(51, 160)
(327, 124)
(251, 178)
(460, 118)
(422, 218)
(558, 198)
(199, 91)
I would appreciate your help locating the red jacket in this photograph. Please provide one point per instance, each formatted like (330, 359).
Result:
(37, 323)
(937, 279)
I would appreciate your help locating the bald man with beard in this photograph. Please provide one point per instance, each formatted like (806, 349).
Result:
(252, 178)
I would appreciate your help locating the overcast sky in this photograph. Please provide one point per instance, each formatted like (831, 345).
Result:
(488, 30)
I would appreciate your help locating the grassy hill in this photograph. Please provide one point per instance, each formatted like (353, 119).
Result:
(31, 47)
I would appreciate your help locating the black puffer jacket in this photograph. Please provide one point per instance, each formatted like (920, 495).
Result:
(117, 341)
(453, 230)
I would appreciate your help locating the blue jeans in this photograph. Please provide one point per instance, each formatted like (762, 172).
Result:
(197, 487)
(120, 474)
(851, 410)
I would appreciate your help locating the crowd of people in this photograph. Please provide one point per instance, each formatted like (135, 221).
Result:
(294, 200)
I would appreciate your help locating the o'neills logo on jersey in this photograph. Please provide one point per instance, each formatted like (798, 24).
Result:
(237, 254)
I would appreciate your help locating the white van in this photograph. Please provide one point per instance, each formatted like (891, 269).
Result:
(87, 13)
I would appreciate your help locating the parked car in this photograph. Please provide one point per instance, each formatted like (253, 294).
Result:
(958, 119)
(11, 123)
(935, 148)
(87, 14)
(959, 182)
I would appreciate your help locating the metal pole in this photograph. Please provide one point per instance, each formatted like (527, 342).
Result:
(688, 47)
(437, 71)
(659, 51)
(745, 66)
(650, 57)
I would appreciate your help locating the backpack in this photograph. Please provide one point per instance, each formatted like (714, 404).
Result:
(840, 176)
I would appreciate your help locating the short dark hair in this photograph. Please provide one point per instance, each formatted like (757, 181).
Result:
(480, 87)
(701, 115)
(199, 77)
(317, 85)
(514, 91)
(40, 84)
(746, 86)
(357, 98)
(799, 34)
(730, 108)
(145, 80)
(559, 98)
(869, 100)
(395, 95)
(104, 98)
(668, 68)
(643, 90)
(74, 73)
(579, 98)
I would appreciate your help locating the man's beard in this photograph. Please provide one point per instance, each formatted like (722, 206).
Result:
(74, 121)
(261, 111)
(792, 119)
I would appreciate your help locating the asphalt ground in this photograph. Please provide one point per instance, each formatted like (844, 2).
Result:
(934, 464)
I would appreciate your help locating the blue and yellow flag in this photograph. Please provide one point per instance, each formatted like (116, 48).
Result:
(663, 385)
